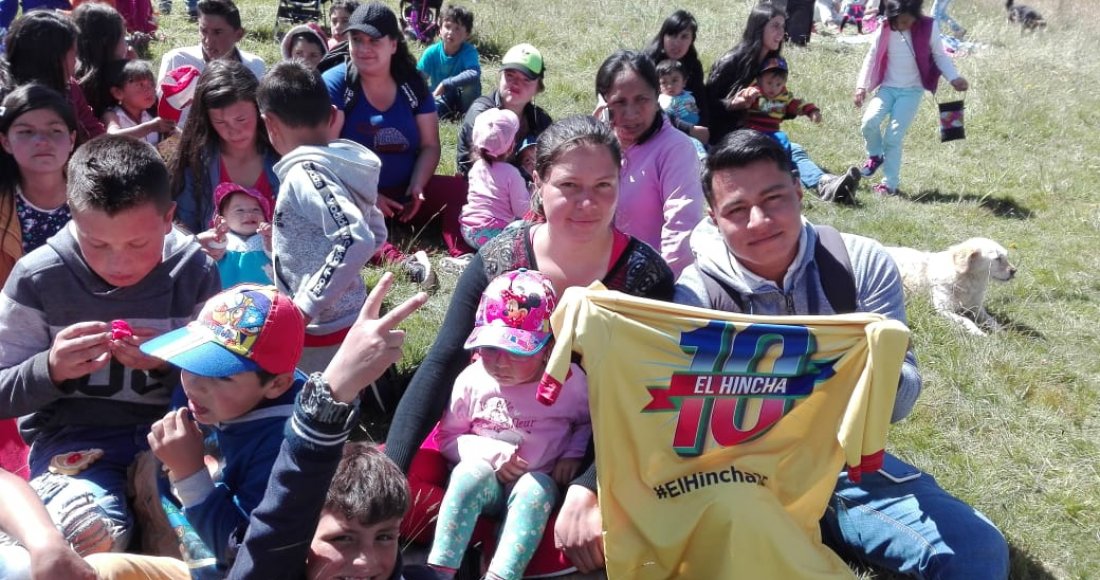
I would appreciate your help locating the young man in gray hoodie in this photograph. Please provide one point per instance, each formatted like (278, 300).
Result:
(755, 253)
(326, 224)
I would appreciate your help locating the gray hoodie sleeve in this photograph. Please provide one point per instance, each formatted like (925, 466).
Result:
(25, 384)
(350, 239)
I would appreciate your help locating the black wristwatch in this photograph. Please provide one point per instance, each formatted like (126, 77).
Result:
(317, 403)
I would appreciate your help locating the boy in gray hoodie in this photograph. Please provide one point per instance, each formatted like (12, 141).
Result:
(326, 224)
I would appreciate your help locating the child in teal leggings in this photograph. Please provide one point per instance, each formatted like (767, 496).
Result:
(511, 451)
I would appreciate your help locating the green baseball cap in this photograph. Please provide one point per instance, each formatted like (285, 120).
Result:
(525, 59)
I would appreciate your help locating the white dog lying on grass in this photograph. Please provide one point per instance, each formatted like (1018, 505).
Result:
(957, 278)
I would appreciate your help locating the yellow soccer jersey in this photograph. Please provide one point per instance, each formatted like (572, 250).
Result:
(719, 436)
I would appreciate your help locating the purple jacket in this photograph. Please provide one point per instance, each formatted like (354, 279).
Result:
(874, 66)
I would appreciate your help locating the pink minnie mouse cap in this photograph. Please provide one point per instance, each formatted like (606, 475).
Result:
(514, 313)
(495, 131)
(224, 190)
(245, 328)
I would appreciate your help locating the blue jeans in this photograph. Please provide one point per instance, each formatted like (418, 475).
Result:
(90, 506)
(900, 105)
(913, 528)
(947, 24)
(808, 171)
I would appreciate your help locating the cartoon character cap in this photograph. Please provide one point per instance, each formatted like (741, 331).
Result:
(245, 328)
(495, 131)
(224, 190)
(514, 313)
(526, 59)
(177, 89)
(776, 63)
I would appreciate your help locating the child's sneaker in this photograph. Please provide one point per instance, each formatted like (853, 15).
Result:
(883, 190)
(419, 270)
(871, 165)
(455, 265)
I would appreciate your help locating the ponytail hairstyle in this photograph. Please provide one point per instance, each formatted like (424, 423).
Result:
(561, 138)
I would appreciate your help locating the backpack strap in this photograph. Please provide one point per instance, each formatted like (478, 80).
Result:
(721, 295)
(351, 84)
(834, 268)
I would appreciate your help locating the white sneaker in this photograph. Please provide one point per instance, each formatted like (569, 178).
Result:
(419, 269)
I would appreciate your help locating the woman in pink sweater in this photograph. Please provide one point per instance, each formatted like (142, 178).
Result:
(660, 195)
(511, 451)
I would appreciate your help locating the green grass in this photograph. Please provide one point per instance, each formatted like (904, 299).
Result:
(1010, 423)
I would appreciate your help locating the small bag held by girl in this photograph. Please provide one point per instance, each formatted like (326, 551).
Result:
(511, 451)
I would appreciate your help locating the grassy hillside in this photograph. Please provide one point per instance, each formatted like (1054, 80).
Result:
(1011, 422)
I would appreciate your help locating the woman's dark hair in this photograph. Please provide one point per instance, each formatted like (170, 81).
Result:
(223, 83)
(676, 23)
(100, 28)
(22, 100)
(402, 64)
(892, 9)
(738, 67)
(36, 46)
(628, 60)
(348, 6)
(563, 137)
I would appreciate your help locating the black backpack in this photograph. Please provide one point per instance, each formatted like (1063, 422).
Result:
(833, 267)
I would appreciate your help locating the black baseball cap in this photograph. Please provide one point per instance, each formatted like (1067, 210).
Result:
(375, 20)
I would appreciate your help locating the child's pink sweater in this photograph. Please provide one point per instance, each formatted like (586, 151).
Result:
(487, 421)
(497, 193)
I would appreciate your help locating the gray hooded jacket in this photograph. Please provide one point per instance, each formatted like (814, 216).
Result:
(878, 288)
(326, 228)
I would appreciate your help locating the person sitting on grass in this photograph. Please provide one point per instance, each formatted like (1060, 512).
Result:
(768, 102)
(237, 363)
(131, 87)
(72, 366)
(451, 64)
(333, 510)
(326, 225)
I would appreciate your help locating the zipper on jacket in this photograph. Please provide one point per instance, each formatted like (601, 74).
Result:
(790, 304)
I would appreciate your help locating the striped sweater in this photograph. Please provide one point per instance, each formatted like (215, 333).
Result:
(53, 288)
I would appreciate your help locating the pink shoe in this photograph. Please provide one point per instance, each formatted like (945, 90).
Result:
(883, 190)
(871, 165)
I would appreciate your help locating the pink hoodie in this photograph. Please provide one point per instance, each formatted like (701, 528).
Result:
(489, 422)
(660, 194)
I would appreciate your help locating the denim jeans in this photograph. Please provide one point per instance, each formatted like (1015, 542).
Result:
(808, 171)
(913, 528)
(900, 105)
(89, 506)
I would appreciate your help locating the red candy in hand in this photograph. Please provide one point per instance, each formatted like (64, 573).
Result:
(121, 330)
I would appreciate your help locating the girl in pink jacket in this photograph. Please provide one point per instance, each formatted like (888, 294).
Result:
(511, 451)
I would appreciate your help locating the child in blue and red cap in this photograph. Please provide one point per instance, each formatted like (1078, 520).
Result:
(237, 363)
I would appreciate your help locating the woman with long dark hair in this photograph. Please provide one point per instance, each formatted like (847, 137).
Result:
(223, 141)
(41, 48)
(763, 38)
(676, 41)
(384, 104)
